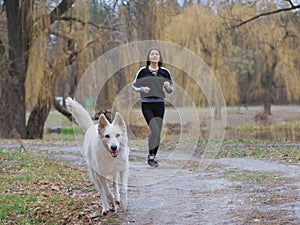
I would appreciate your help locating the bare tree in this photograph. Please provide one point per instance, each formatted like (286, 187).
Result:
(291, 6)
(20, 26)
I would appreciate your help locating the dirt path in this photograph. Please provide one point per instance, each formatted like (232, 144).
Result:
(230, 191)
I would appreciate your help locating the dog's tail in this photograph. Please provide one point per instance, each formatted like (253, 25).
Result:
(82, 117)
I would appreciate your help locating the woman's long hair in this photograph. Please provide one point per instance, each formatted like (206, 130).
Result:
(160, 57)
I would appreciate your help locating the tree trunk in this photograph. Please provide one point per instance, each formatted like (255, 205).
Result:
(267, 107)
(40, 112)
(12, 98)
(218, 105)
(267, 102)
(12, 85)
(218, 114)
(37, 118)
(12, 108)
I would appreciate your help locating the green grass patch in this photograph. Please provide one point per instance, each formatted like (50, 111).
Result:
(68, 131)
(67, 134)
(272, 127)
(246, 176)
(277, 131)
(72, 131)
(41, 190)
(288, 152)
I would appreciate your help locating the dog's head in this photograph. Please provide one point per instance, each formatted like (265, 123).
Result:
(113, 135)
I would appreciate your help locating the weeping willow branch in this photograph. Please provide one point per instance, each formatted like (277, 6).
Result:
(292, 7)
(44, 21)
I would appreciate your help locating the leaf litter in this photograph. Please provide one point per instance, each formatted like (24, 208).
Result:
(43, 190)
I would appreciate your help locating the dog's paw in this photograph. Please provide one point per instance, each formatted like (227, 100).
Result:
(113, 207)
(104, 212)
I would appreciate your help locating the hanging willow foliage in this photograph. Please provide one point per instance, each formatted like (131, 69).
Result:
(209, 39)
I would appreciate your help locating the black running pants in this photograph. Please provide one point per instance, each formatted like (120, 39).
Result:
(154, 113)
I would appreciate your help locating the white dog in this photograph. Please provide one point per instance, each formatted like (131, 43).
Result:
(106, 152)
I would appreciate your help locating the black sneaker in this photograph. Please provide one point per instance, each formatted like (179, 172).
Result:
(152, 161)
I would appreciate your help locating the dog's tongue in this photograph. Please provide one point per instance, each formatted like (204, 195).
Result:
(115, 153)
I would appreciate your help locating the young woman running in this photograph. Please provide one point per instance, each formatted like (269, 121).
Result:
(152, 81)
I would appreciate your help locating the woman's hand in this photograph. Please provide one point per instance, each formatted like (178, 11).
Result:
(146, 90)
(167, 85)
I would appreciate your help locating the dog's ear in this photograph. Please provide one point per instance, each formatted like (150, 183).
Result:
(118, 120)
(102, 122)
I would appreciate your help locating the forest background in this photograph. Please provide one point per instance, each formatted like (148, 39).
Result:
(252, 48)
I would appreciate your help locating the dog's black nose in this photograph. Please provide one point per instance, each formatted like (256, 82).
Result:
(113, 147)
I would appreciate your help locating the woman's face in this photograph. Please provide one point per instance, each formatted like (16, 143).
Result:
(154, 56)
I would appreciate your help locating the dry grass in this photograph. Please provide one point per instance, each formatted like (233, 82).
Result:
(43, 190)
